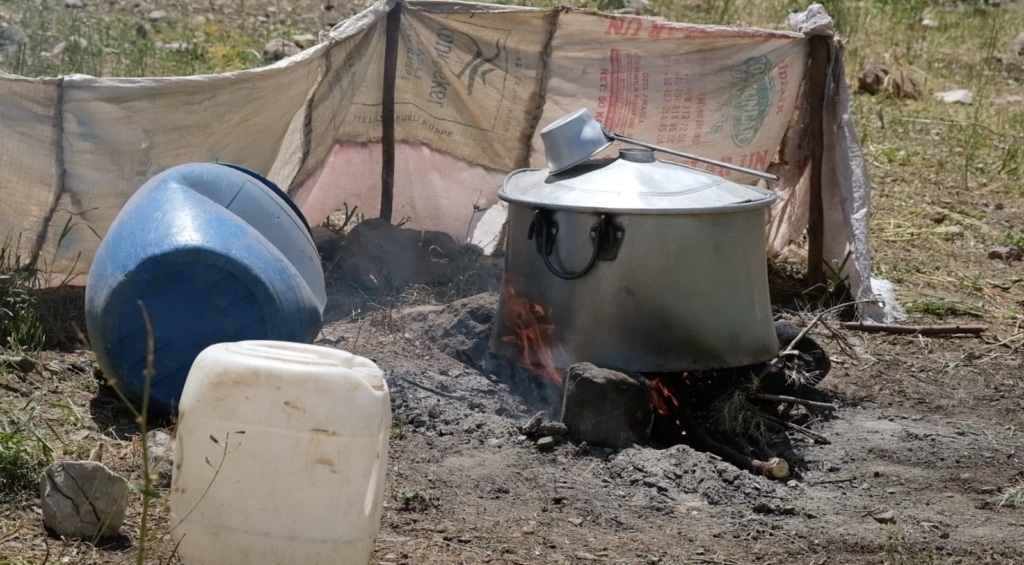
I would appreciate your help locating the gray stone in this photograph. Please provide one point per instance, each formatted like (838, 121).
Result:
(872, 80)
(606, 408)
(553, 429)
(277, 49)
(546, 443)
(74, 4)
(1006, 253)
(157, 15)
(160, 445)
(533, 424)
(83, 499)
(887, 517)
(11, 36)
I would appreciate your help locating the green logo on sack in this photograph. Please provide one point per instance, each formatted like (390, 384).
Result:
(757, 95)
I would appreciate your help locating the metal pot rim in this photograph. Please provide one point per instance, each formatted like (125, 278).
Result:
(770, 197)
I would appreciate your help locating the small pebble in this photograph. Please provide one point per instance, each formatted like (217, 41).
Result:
(887, 517)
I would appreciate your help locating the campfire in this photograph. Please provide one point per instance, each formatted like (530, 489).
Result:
(731, 412)
(638, 289)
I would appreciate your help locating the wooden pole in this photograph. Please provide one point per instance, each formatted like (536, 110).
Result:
(818, 71)
(387, 112)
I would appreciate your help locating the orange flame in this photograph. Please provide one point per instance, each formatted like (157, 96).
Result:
(661, 396)
(664, 402)
(532, 332)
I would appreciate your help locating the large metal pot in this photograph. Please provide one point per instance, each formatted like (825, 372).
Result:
(638, 264)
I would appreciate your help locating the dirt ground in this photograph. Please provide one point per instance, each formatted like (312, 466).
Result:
(922, 447)
(924, 442)
(926, 431)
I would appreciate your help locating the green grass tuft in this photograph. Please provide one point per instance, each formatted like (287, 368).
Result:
(22, 459)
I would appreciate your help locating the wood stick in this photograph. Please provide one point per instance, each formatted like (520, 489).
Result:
(23, 364)
(433, 390)
(817, 68)
(795, 427)
(387, 112)
(777, 362)
(923, 330)
(775, 467)
(795, 400)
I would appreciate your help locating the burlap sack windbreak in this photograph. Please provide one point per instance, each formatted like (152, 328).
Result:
(475, 84)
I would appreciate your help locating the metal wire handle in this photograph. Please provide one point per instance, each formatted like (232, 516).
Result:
(605, 237)
(737, 168)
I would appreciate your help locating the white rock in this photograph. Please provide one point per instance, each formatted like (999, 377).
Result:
(949, 230)
(83, 499)
(958, 96)
(1018, 44)
(277, 49)
(928, 22)
(305, 40)
(160, 444)
(73, 40)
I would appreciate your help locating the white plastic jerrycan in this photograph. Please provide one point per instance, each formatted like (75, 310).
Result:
(280, 456)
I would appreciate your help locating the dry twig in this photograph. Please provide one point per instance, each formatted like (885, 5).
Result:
(795, 427)
(788, 351)
(458, 397)
(795, 400)
(947, 329)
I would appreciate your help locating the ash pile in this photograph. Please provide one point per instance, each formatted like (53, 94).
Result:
(753, 417)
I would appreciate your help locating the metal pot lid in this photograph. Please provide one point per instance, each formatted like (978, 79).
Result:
(635, 182)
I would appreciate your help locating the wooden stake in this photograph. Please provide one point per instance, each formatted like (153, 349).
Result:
(817, 68)
(923, 330)
(387, 112)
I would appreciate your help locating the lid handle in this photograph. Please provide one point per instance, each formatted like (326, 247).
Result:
(636, 154)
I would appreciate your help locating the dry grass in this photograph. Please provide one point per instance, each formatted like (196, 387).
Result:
(1013, 497)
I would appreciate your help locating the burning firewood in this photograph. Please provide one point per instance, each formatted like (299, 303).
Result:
(775, 467)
